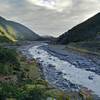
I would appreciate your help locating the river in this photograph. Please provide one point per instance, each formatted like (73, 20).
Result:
(63, 74)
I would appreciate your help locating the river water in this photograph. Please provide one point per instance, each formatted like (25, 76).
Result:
(63, 74)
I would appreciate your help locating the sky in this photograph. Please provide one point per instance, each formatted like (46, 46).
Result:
(49, 17)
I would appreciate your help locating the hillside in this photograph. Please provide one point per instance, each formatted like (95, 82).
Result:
(87, 30)
(14, 31)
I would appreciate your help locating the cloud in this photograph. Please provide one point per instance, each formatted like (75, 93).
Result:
(49, 18)
(58, 5)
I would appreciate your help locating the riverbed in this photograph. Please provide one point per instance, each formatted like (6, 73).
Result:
(61, 69)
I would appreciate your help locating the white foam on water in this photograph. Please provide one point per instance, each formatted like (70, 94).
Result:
(70, 72)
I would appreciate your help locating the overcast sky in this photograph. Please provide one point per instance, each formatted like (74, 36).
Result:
(49, 17)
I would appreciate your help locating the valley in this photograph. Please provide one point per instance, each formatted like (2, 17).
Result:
(34, 67)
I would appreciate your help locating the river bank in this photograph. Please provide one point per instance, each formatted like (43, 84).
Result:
(56, 69)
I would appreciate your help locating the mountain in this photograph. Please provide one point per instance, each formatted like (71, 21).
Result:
(84, 31)
(14, 31)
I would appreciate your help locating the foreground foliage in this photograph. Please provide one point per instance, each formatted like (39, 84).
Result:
(21, 79)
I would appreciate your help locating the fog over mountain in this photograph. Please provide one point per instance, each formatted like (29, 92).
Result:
(49, 17)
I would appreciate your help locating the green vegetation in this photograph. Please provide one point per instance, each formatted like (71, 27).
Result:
(4, 39)
(8, 35)
(21, 79)
(91, 47)
(8, 61)
(87, 30)
(21, 92)
(15, 32)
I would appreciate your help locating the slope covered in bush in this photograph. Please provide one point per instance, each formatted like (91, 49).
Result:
(89, 29)
(15, 31)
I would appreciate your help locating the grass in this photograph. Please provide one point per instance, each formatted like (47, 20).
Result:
(30, 68)
(91, 47)
(8, 34)
(26, 82)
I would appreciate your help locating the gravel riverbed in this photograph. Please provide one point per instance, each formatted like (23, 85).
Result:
(64, 69)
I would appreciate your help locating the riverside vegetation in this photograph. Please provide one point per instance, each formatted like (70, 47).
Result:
(21, 79)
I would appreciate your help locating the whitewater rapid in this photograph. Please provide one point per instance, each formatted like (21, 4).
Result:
(75, 75)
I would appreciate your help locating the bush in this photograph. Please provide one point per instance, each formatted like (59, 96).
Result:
(21, 93)
(8, 61)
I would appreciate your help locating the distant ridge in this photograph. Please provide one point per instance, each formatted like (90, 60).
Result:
(87, 30)
(15, 31)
